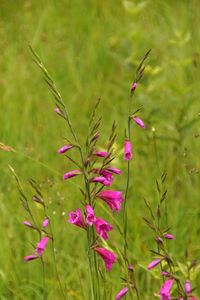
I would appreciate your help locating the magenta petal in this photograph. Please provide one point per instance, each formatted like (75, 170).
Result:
(101, 153)
(42, 245)
(30, 257)
(169, 236)
(71, 174)
(45, 222)
(108, 257)
(90, 217)
(127, 150)
(122, 293)
(139, 122)
(64, 148)
(187, 287)
(102, 227)
(77, 219)
(113, 170)
(133, 87)
(165, 289)
(112, 198)
(153, 264)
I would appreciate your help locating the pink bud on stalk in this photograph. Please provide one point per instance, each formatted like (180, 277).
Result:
(133, 87)
(127, 150)
(45, 222)
(101, 153)
(121, 293)
(169, 236)
(165, 289)
(28, 224)
(64, 148)
(101, 180)
(71, 174)
(153, 264)
(139, 122)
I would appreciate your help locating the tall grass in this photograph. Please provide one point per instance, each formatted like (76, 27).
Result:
(91, 48)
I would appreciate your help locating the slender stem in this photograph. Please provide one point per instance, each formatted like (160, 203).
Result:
(43, 279)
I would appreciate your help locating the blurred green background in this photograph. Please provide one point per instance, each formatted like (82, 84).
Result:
(92, 48)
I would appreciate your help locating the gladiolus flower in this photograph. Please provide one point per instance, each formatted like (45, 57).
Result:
(64, 148)
(31, 257)
(187, 287)
(45, 222)
(90, 217)
(153, 264)
(108, 257)
(39, 249)
(122, 293)
(28, 224)
(169, 236)
(42, 245)
(76, 218)
(113, 170)
(112, 198)
(102, 227)
(71, 174)
(133, 87)
(101, 180)
(127, 150)
(165, 289)
(139, 122)
(101, 153)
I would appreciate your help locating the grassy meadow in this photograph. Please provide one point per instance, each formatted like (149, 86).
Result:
(92, 49)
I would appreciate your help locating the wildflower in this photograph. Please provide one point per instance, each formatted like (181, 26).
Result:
(108, 176)
(102, 227)
(28, 224)
(139, 122)
(133, 87)
(130, 268)
(71, 174)
(122, 293)
(108, 257)
(113, 170)
(39, 249)
(64, 148)
(58, 111)
(42, 245)
(169, 236)
(127, 150)
(165, 289)
(187, 287)
(101, 180)
(90, 217)
(112, 198)
(76, 218)
(30, 257)
(101, 153)
(153, 264)
(45, 222)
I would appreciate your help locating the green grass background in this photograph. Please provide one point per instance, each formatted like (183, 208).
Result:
(92, 48)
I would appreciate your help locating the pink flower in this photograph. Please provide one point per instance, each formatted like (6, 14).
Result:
(102, 227)
(153, 264)
(28, 224)
(113, 170)
(64, 149)
(101, 153)
(133, 87)
(90, 217)
(112, 198)
(122, 293)
(101, 180)
(139, 122)
(71, 174)
(169, 236)
(76, 218)
(130, 268)
(165, 289)
(42, 245)
(165, 274)
(187, 287)
(45, 222)
(127, 150)
(108, 257)
(31, 257)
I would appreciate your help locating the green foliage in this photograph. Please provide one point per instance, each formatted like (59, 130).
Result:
(92, 49)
